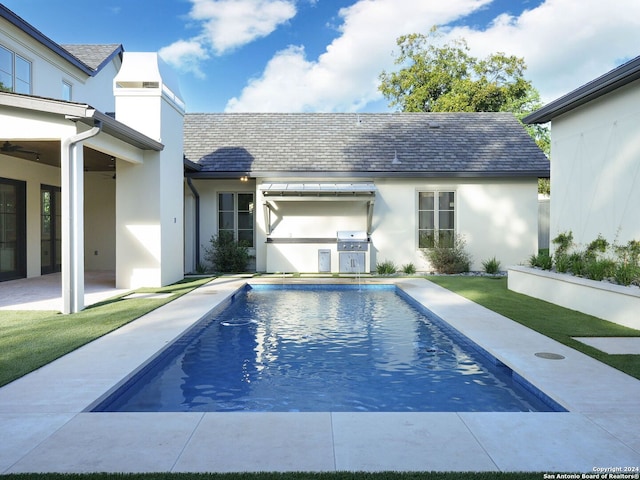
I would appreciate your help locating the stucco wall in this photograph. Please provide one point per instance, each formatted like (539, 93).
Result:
(595, 169)
(49, 71)
(497, 218)
(99, 221)
(208, 191)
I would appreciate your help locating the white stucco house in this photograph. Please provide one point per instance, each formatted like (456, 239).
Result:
(297, 180)
(595, 157)
(62, 208)
(102, 169)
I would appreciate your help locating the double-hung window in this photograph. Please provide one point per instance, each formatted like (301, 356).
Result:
(235, 216)
(436, 219)
(15, 72)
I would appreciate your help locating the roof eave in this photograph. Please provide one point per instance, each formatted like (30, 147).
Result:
(368, 174)
(118, 51)
(44, 40)
(602, 85)
(81, 112)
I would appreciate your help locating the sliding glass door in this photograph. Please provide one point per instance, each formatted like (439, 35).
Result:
(13, 238)
(50, 229)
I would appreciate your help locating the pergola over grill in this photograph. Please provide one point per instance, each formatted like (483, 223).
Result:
(317, 192)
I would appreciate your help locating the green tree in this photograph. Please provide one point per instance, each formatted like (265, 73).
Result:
(436, 77)
(447, 78)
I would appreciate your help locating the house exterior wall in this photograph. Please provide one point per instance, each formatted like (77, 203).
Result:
(496, 218)
(208, 191)
(149, 196)
(99, 221)
(595, 169)
(48, 71)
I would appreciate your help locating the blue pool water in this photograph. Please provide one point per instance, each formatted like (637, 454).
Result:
(323, 349)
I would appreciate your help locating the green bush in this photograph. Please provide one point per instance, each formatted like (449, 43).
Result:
(600, 269)
(386, 267)
(599, 261)
(577, 263)
(542, 260)
(563, 263)
(448, 256)
(409, 269)
(627, 274)
(563, 242)
(491, 266)
(226, 255)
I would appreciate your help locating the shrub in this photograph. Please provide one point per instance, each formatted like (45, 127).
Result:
(386, 267)
(627, 274)
(577, 263)
(226, 255)
(597, 246)
(542, 260)
(563, 263)
(600, 269)
(491, 266)
(563, 242)
(448, 257)
(409, 269)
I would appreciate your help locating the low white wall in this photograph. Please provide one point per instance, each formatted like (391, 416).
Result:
(303, 257)
(614, 303)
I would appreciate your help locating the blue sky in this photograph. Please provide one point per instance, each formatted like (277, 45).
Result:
(326, 55)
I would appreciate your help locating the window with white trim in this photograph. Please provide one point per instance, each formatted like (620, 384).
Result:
(235, 216)
(436, 219)
(15, 72)
(67, 90)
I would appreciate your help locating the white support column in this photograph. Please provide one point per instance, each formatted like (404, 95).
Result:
(72, 186)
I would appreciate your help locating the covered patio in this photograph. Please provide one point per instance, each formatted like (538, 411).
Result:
(43, 292)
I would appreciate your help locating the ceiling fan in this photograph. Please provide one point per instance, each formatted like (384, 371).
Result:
(8, 147)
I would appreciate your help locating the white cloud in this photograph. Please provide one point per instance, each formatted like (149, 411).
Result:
(229, 24)
(185, 56)
(345, 76)
(225, 26)
(565, 43)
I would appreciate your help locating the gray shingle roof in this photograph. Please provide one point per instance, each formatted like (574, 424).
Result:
(426, 144)
(610, 81)
(94, 56)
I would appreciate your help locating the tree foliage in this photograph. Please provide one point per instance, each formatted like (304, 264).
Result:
(447, 78)
(437, 77)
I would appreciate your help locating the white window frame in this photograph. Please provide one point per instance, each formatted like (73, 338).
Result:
(14, 78)
(235, 212)
(67, 87)
(446, 233)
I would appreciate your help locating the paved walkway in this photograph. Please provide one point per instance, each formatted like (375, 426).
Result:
(45, 292)
(46, 426)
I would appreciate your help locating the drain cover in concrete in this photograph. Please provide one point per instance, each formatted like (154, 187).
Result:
(613, 345)
(549, 355)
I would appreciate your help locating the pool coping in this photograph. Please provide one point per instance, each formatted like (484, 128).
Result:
(54, 432)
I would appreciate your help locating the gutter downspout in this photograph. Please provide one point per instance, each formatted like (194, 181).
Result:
(72, 165)
(196, 195)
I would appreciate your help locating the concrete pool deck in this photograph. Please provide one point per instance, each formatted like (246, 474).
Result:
(46, 427)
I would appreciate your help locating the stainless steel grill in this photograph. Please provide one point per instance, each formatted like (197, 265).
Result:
(352, 241)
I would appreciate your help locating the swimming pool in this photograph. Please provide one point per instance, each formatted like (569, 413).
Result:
(330, 348)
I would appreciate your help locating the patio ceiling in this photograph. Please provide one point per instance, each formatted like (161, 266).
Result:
(48, 153)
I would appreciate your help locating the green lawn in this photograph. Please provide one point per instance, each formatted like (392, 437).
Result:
(30, 339)
(551, 320)
(285, 476)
